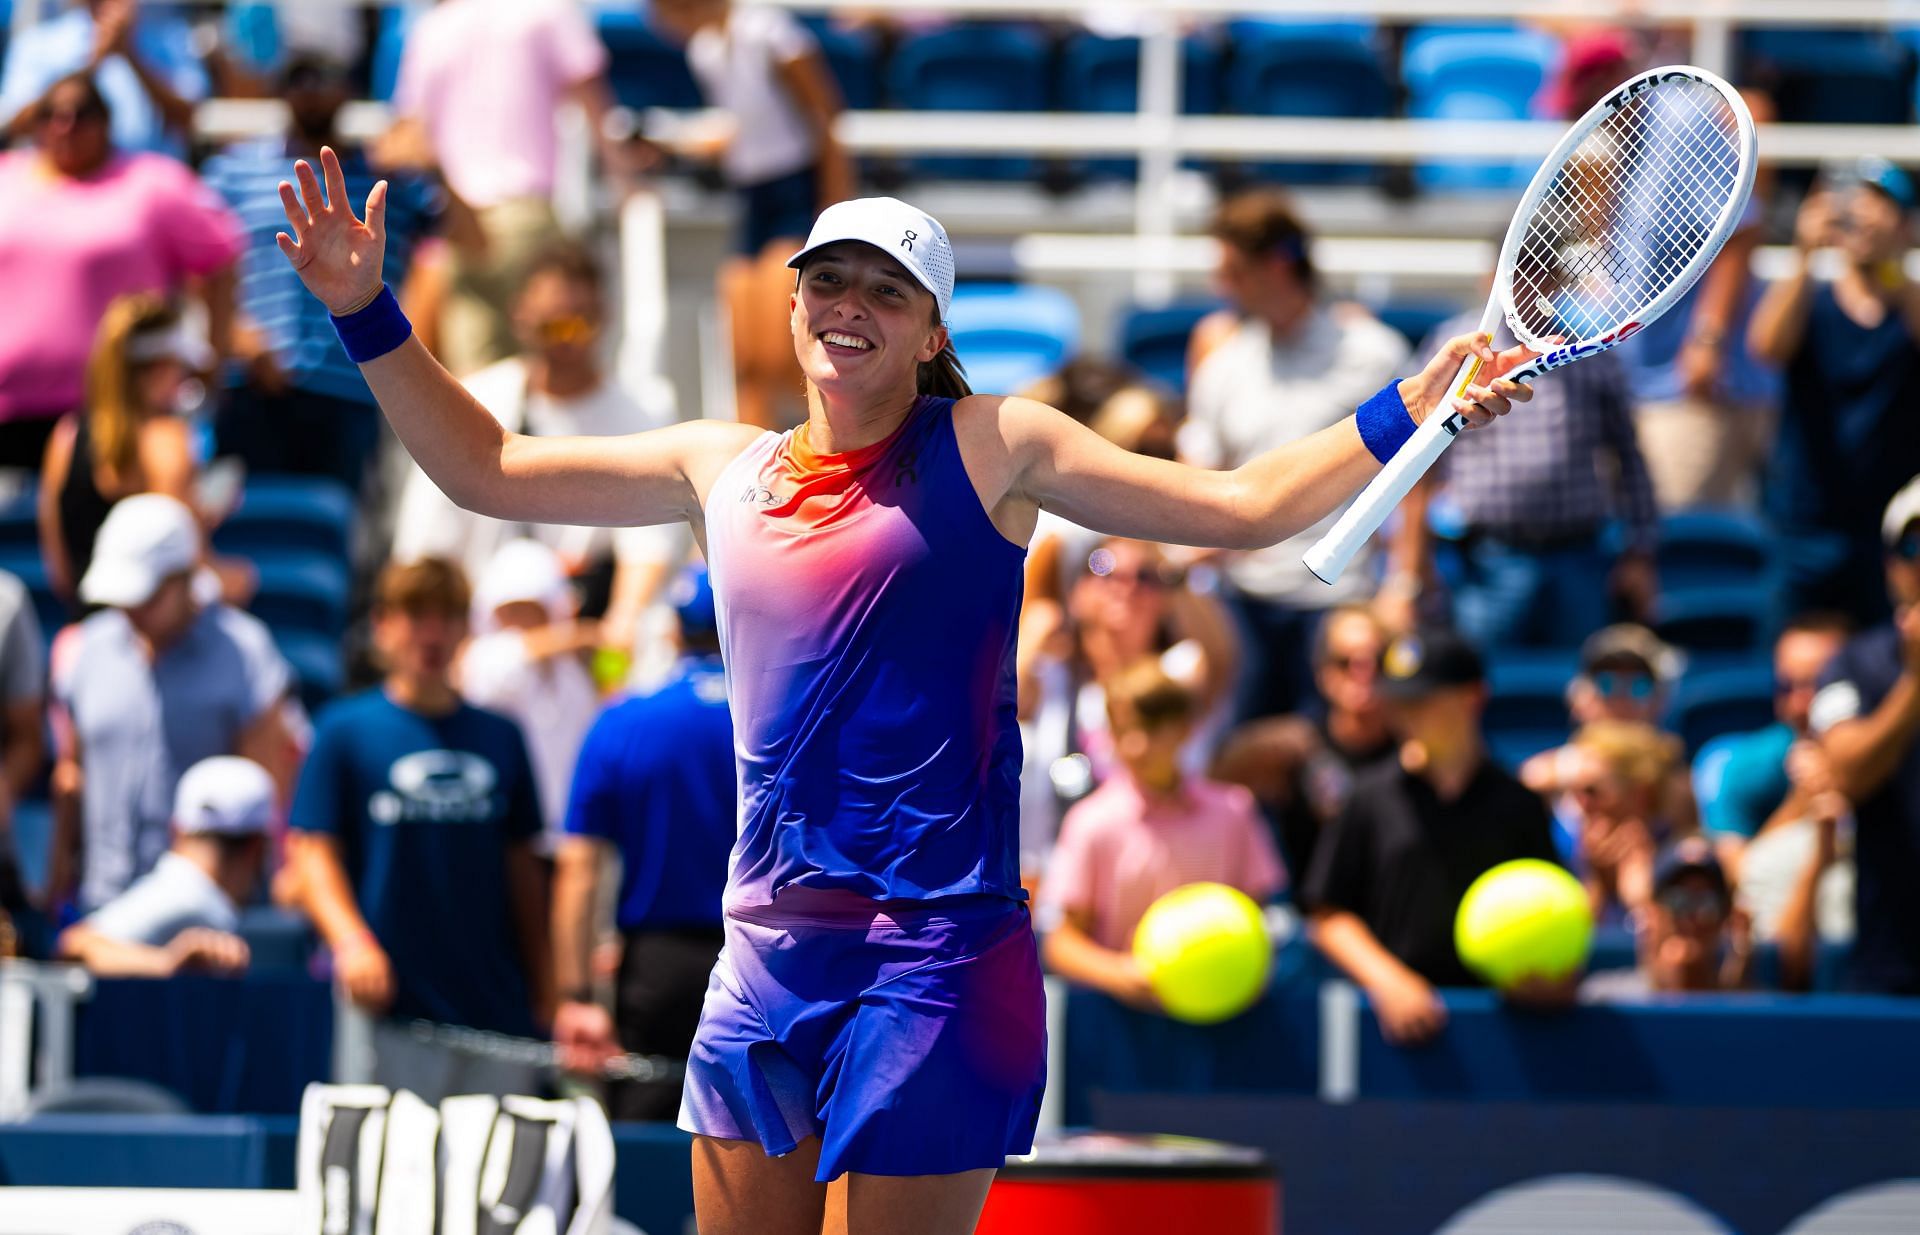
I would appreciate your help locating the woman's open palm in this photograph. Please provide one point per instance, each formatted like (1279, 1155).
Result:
(336, 255)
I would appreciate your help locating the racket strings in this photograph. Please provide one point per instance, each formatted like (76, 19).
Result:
(1627, 213)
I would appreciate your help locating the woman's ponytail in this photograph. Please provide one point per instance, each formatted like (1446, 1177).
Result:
(944, 377)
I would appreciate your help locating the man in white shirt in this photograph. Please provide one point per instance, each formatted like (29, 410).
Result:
(183, 914)
(556, 387)
(1280, 365)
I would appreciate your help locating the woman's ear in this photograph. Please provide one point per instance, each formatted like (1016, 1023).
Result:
(936, 343)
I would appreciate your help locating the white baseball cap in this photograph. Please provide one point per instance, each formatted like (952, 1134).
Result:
(904, 232)
(179, 342)
(145, 539)
(224, 796)
(523, 570)
(1902, 510)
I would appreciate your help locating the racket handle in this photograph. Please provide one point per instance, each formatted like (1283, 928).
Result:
(1330, 555)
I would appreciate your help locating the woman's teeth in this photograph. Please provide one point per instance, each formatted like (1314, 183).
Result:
(846, 340)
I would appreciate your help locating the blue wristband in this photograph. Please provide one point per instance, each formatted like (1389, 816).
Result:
(1385, 423)
(374, 331)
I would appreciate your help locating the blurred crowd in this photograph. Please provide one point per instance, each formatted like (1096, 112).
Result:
(522, 822)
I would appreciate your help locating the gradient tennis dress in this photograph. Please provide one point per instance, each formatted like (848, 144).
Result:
(879, 986)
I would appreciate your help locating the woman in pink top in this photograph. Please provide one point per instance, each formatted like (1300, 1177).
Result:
(81, 224)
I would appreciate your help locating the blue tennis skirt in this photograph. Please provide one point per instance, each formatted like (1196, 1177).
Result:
(910, 1039)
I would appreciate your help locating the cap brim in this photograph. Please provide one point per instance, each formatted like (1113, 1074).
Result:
(793, 263)
(118, 584)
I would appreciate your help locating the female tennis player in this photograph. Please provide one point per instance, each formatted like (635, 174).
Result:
(877, 1011)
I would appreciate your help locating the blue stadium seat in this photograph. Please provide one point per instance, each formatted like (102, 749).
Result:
(1527, 703)
(644, 69)
(318, 664)
(281, 513)
(1453, 74)
(972, 67)
(1154, 340)
(33, 839)
(1717, 625)
(1711, 548)
(1100, 74)
(1708, 703)
(278, 940)
(1416, 319)
(854, 57)
(301, 591)
(1010, 336)
(1281, 69)
(396, 21)
(1832, 76)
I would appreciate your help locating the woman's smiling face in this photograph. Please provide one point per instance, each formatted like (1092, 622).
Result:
(861, 323)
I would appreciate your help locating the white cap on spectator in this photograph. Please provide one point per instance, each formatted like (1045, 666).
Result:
(224, 796)
(179, 342)
(522, 570)
(905, 233)
(145, 539)
(1902, 510)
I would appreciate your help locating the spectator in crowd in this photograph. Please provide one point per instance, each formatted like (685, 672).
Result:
(129, 438)
(1796, 882)
(1301, 768)
(765, 69)
(300, 406)
(1741, 780)
(1688, 938)
(480, 84)
(81, 225)
(160, 678)
(1851, 350)
(1280, 365)
(654, 785)
(414, 830)
(1528, 507)
(1388, 876)
(556, 387)
(1626, 672)
(185, 912)
(1150, 828)
(259, 40)
(142, 55)
(1130, 602)
(528, 663)
(1867, 716)
(23, 747)
(1621, 779)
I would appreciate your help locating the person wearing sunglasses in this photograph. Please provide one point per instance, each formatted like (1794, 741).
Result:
(556, 386)
(1625, 672)
(81, 224)
(1866, 718)
(1690, 936)
(143, 56)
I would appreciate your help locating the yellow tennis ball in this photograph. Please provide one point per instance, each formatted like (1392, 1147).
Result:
(1524, 919)
(1205, 951)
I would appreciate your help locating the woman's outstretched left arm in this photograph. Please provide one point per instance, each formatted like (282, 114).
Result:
(1064, 467)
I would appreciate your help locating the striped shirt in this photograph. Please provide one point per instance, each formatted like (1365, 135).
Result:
(270, 294)
(1559, 466)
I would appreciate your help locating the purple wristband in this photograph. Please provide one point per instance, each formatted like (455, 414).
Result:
(372, 332)
(1385, 423)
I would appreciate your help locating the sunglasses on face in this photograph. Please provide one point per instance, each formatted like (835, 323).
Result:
(86, 113)
(1617, 684)
(1692, 904)
(563, 330)
(1788, 686)
(1357, 663)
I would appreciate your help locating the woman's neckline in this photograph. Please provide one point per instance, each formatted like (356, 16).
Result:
(859, 456)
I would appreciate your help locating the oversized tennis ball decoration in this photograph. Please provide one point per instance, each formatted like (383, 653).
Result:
(1524, 919)
(1205, 951)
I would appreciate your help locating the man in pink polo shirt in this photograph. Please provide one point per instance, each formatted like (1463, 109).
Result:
(1150, 828)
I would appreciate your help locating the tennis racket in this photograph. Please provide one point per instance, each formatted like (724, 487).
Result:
(1621, 219)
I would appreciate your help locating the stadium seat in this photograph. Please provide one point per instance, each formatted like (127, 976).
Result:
(1708, 703)
(1100, 74)
(1832, 76)
(278, 513)
(972, 67)
(301, 591)
(1416, 319)
(318, 664)
(1010, 336)
(1154, 340)
(644, 69)
(1717, 625)
(1281, 69)
(396, 21)
(1712, 548)
(1485, 74)
(33, 839)
(278, 940)
(854, 57)
(1527, 703)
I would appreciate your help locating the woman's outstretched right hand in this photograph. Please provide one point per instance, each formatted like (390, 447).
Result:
(336, 255)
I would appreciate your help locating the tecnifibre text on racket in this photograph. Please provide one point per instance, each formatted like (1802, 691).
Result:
(1621, 219)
